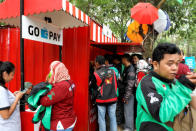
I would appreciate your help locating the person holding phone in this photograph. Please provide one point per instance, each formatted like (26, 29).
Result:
(9, 102)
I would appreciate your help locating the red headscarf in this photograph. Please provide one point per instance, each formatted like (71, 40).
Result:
(58, 72)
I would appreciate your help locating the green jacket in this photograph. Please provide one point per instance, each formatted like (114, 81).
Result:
(116, 71)
(117, 76)
(160, 100)
(43, 113)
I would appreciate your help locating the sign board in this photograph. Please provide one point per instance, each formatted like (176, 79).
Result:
(190, 61)
(35, 29)
(107, 32)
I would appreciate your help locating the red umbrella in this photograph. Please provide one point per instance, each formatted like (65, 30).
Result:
(144, 13)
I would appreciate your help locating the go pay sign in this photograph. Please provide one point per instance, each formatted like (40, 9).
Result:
(37, 30)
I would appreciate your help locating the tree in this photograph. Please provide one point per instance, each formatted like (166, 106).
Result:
(185, 32)
(116, 13)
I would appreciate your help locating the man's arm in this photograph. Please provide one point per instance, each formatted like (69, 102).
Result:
(193, 101)
(130, 85)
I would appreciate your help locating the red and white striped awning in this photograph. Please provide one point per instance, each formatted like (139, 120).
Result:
(62, 12)
(96, 34)
(75, 12)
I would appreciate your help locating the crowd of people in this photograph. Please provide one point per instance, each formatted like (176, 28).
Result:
(157, 99)
(153, 94)
(113, 82)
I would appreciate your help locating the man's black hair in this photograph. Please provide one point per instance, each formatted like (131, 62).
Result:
(5, 67)
(108, 58)
(117, 57)
(100, 60)
(140, 57)
(127, 56)
(164, 48)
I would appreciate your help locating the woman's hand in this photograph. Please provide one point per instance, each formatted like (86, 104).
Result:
(16, 92)
(6, 113)
(19, 95)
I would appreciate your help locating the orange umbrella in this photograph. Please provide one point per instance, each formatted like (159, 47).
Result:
(145, 28)
(133, 32)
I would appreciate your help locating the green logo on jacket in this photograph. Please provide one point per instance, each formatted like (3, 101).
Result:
(50, 96)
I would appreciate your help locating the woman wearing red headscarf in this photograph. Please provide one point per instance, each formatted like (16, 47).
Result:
(60, 97)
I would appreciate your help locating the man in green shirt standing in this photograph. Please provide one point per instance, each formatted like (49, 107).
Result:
(160, 96)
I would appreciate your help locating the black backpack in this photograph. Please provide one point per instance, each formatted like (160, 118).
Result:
(107, 85)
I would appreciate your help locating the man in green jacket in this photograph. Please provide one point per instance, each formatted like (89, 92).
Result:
(160, 96)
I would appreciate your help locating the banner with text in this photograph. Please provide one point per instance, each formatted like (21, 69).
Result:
(35, 29)
(190, 61)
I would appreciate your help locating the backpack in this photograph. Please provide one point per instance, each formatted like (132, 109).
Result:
(107, 87)
(139, 77)
(142, 70)
(184, 120)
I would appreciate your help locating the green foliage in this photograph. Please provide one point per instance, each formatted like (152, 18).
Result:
(185, 30)
(1, 1)
(116, 13)
(181, 17)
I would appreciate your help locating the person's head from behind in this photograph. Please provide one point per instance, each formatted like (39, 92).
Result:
(116, 59)
(108, 59)
(58, 72)
(149, 60)
(7, 71)
(166, 57)
(126, 59)
(136, 58)
(99, 61)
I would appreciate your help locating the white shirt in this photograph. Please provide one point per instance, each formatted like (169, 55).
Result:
(6, 100)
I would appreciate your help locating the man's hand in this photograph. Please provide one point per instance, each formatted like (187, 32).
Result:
(192, 77)
(28, 91)
(125, 101)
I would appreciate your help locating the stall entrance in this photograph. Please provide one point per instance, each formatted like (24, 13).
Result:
(109, 49)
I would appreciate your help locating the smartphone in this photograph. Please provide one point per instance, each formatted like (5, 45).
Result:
(25, 90)
(27, 85)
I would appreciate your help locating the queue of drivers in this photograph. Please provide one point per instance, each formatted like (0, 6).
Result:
(113, 79)
(158, 91)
